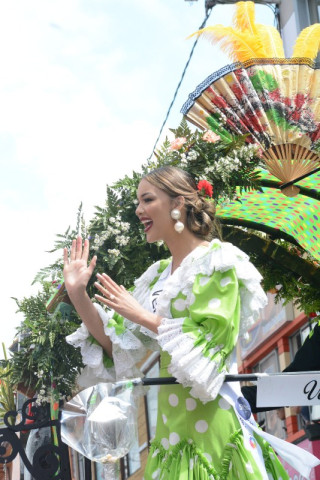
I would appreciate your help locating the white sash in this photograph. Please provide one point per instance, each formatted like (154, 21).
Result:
(298, 458)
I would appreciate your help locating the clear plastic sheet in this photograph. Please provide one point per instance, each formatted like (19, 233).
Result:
(101, 421)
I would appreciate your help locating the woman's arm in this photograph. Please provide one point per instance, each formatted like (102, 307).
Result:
(120, 300)
(77, 273)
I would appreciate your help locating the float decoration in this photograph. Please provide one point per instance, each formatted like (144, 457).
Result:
(275, 101)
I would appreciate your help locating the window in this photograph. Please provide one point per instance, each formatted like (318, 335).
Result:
(296, 341)
(272, 422)
(134, 461)
(134, 458)
(151, 402)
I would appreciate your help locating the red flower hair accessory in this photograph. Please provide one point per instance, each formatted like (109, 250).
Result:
(205, 188)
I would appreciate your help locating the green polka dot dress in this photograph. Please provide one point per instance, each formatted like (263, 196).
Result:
(202, 441)
(213, 295)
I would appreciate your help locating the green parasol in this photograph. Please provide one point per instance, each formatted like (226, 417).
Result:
(296, 219)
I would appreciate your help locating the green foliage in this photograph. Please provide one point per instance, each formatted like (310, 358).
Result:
(44, 360)
(226, 162)
(289, 286)
(54, 271)
(117, 238)
(7, 402)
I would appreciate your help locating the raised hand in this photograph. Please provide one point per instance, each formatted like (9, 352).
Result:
(119, 299)
(76, 270)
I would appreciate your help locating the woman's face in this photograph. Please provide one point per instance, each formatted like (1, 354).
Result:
(153, 210)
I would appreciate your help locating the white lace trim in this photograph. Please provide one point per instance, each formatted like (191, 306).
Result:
(222, 257)
(127, 350)
(92, 357)
(188, 364)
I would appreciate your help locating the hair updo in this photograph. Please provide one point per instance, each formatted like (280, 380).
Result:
(200, 211)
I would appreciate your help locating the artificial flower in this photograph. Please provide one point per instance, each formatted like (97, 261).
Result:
(260, 152)
(205, 188)
(177, 143)
(210, 137)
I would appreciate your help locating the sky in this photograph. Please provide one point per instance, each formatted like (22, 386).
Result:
(85, 86)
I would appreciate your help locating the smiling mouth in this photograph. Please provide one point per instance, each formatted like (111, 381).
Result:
(147, 225)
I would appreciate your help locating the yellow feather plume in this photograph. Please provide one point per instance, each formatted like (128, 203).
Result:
(244, 17)
(271, 41)
(308, 42)
(237, 45)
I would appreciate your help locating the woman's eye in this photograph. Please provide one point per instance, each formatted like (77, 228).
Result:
(147, 200)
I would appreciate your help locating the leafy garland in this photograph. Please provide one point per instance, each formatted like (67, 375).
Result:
(7, 400)
(45, 361)
(226, 162)
(291, 288)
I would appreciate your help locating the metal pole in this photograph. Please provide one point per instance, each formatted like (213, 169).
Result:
(247, 377)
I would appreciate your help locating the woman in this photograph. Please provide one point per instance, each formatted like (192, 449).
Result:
(190, 306)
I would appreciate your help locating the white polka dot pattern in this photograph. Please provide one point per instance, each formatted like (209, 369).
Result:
(224, 404)
(204, 280)
(225, 281)
(173, 400)
(165, 443)
(191, 404)
(180, 304)
(201, 426)
(214, 303)
(156, 474)
(174, 438)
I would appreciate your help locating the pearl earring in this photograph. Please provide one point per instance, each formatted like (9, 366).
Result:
(176, 214)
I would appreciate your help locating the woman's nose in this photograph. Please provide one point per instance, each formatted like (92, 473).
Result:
(138, 210)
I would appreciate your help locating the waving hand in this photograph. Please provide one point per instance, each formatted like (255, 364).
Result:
(76, 270)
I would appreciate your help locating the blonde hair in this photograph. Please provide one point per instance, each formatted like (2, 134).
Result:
(200, 211)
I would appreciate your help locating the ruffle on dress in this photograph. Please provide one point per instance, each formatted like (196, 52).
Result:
(220, 256)
(190, 363)
(185, 461)
(127, 351)
(130, 342)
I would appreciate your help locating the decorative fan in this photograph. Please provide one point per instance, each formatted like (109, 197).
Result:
(275, 101)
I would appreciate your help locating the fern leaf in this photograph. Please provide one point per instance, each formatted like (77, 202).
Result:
(308, 42)
(271, 40)
(244, 17)
(238, 45)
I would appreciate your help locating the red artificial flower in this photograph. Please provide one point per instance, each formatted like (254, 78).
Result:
(205, 188)
(299, 100)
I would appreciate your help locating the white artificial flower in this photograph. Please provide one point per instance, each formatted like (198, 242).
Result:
(114, 251)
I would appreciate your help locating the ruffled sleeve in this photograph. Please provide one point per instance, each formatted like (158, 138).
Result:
(130, 342)
(202, 319)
